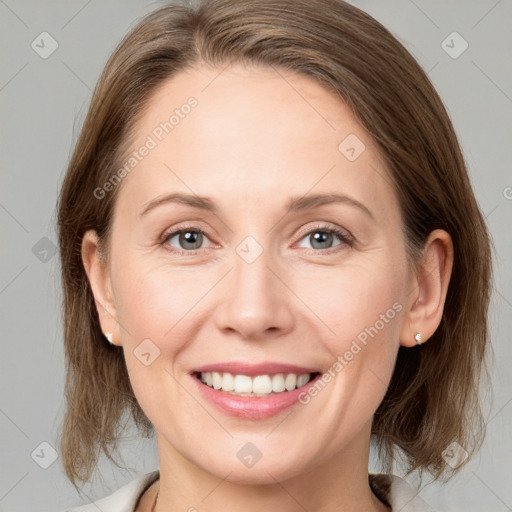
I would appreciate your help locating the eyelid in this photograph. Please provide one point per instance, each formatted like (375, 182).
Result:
(344, 234)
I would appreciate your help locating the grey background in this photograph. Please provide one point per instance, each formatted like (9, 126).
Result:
(43, 103)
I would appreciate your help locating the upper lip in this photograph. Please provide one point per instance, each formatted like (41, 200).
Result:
(253, 369)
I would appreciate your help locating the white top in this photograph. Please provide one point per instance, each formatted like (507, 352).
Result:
(402, 497)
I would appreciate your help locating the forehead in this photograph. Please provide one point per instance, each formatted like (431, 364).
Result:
(242, 130)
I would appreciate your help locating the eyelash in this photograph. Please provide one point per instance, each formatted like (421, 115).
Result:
(344, 237)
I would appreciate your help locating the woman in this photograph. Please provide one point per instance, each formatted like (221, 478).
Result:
(267, 234)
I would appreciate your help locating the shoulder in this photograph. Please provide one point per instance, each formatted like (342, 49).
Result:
(402, 496)
(122, 500)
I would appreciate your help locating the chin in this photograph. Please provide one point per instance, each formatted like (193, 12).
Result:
(263, 472)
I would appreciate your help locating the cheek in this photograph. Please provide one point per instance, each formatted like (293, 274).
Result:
(153, 299)
(152, 305)
(361, 309)
(354, 298)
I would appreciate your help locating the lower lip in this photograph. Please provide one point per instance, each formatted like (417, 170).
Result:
(250, 407)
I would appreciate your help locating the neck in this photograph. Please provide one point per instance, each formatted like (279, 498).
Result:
(339, 483)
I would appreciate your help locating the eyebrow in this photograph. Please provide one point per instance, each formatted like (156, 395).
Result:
(202, 203)
(294, 204)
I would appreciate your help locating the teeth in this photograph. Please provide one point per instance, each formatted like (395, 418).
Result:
(290, 382)
(261, 385)
(216, 380)
(243, 384)
(228, 382)
(278, 383)
(302, 379)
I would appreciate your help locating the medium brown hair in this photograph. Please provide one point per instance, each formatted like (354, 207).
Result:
(433, 398)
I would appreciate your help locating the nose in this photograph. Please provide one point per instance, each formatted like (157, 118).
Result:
(255, 301)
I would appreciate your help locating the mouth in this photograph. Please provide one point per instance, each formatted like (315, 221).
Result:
(253, 391)
(252, 397)
(257, 386)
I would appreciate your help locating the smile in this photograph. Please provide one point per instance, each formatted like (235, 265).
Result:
(257, 386)
(252, 397)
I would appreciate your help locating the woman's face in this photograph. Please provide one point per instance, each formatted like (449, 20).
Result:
(267, 270)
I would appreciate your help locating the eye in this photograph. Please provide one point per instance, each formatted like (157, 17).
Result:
(322, 237)
(188, 239)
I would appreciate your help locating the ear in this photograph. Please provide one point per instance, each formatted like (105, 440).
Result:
(101, 286)
(428, 289)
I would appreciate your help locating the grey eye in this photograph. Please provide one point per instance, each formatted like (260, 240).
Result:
(322, 239)
(188, 239)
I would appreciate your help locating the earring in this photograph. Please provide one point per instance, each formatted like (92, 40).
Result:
(418, 338)
(108, 335)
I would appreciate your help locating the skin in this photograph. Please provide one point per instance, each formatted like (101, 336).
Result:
(257, 138)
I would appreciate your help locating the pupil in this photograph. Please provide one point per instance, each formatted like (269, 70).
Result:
(322, 238)
(191, 237)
